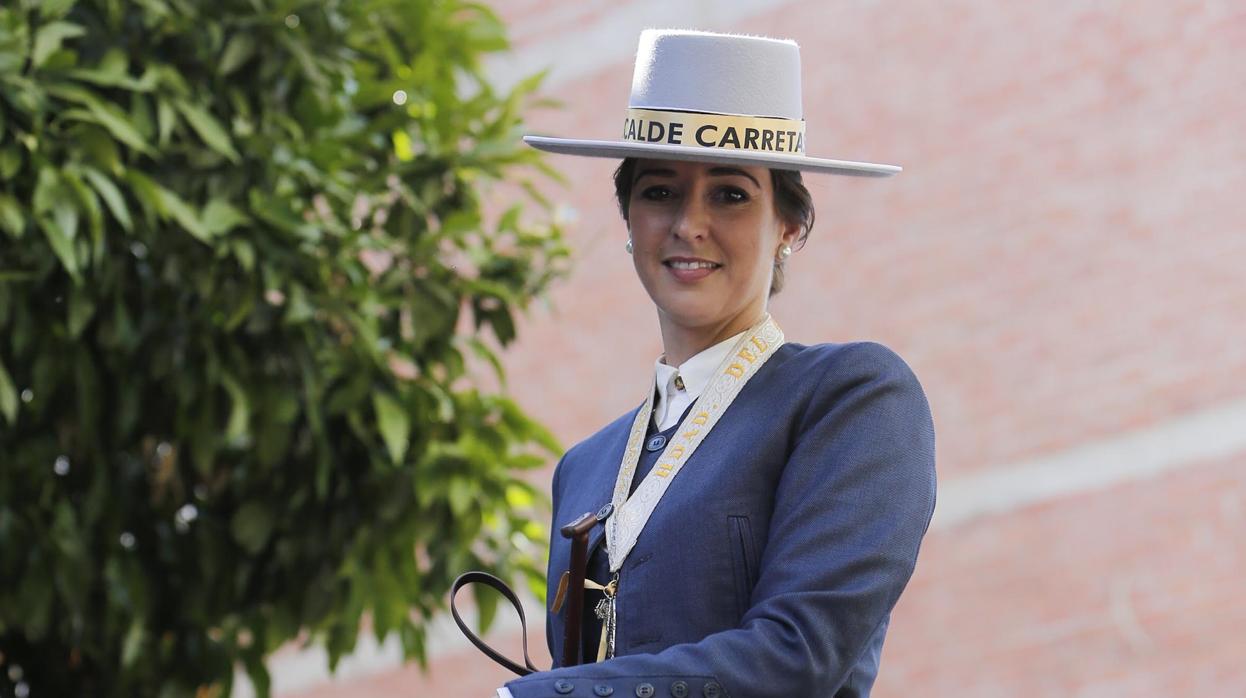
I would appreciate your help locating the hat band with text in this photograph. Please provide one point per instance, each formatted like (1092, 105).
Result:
(761, 133)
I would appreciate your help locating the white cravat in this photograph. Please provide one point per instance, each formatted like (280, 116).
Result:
(694, 374)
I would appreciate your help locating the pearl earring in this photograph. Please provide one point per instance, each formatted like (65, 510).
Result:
(628, 246)
(785, 252)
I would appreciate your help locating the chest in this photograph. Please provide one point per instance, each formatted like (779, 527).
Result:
(696, 560)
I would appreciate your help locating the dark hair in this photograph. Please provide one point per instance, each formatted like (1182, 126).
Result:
(791, 201)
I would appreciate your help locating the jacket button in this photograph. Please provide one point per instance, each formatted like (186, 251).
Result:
(712, 690)
(645, 690)
(603, 690)
(564, 686)
(679, 689)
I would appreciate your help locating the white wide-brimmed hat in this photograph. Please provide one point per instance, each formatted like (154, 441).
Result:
(714, 98)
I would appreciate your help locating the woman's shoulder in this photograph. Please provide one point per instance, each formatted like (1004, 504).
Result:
(844, 378)
(846, 362)
(863, 390)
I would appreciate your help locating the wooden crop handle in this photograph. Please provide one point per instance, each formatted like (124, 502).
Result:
(577, 531)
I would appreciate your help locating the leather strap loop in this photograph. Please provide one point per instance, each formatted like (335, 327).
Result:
(573, 593)
(491, 581)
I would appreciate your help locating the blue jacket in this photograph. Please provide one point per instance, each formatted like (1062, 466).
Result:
(770, 567)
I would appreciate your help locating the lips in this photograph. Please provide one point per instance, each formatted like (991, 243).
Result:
(689, 269)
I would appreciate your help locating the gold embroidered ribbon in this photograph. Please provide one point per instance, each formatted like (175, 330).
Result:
(762, 133)
(631, 513)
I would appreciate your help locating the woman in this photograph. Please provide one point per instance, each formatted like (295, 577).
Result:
(767, 502)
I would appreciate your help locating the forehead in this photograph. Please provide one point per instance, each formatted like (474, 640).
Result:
(682, 169)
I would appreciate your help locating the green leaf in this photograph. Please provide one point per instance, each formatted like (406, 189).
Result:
(172, 78)
(48, 191)
(120, 335)
(148, 195)
(530, 428)
(482, 350)
(89, 203)
(510, 219)
(12, 219)
(461, 496)
(238, 51)
(132, 647)
(57, 217)
(50, 9)
(258, 673)
(519, 496)
(10, 162)
(240, 414)
(402, 146)
(394, 424)
(111, 195)
(14, 42)
(140, 116)
(166, 119)
(413, 642)
(102, 112)
(113, 63)
(98, 147)
(298, 309)
(219, 216)
(244, 252)
(208, 128)
(49, 37)
(252, 525)
(185, 215)
(529, 84)
(8, 396)
(81, 310)
(113, 71)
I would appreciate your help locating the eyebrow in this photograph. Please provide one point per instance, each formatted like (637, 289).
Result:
(725, 171)
(714, 172)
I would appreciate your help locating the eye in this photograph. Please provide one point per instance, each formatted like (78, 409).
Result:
(657, 192)
(732, 195)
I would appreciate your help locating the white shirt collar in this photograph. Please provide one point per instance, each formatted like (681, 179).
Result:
(696, 373)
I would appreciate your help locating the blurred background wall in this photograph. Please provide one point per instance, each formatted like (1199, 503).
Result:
(1061, 263)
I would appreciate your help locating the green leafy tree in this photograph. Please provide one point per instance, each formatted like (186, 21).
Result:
(243, 269)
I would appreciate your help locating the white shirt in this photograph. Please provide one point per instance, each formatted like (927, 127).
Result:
(695, 374)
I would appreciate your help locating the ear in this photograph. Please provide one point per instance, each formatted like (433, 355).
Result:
(789, 232)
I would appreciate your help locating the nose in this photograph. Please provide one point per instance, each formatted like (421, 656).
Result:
(692, 221)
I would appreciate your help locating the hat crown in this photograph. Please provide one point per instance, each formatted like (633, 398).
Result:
(717, 73)
(718, 98)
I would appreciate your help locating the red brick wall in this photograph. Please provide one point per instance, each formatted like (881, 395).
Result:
(1061, 262)
(1135, 591)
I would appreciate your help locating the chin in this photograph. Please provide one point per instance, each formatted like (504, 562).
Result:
(690, 312)
(703, 304)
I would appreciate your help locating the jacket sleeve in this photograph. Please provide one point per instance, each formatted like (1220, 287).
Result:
(851, 507)
(550, 572)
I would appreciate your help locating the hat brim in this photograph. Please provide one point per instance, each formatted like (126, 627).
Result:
(659, 151)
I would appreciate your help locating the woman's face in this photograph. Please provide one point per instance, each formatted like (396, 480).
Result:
(704, 240)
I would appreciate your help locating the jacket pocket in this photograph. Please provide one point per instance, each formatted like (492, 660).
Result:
(743, 561)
